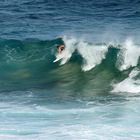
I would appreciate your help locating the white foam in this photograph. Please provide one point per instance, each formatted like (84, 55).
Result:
(128, 56)
(129, 85)
(92, 54)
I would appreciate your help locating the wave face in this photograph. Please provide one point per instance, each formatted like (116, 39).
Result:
(82, 66)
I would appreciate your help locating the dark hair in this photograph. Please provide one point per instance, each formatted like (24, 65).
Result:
(57, 46)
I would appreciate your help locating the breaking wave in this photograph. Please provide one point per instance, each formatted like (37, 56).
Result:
(35, 63)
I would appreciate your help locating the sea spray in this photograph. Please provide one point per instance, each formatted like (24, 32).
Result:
(92, 54)
(128, 55)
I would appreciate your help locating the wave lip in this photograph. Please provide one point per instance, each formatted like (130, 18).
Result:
(93, 54)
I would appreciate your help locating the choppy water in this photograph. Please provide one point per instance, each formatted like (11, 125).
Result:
(90, 91)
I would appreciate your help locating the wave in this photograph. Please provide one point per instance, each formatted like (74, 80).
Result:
(83, 65)
(128, 55)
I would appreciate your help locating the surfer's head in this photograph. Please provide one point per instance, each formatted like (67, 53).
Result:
(60, 48)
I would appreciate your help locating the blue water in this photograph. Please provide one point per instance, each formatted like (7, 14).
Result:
(47, 19)
(92, 92)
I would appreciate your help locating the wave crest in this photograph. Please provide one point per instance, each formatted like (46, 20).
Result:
(93, 54)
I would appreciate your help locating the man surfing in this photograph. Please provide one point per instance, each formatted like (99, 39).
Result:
(60, 48)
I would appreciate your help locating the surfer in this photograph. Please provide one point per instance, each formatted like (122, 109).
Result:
(60, 48)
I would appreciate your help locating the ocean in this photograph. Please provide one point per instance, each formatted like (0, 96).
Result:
(90, 91)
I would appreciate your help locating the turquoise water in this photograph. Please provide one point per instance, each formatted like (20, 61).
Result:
(90, 91)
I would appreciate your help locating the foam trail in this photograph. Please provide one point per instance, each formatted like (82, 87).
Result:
(129, 85)
(128, 55)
